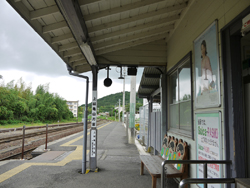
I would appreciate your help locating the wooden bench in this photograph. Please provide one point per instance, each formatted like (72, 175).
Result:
(172, 149)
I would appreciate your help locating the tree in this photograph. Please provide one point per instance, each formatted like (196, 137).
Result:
(18, 103)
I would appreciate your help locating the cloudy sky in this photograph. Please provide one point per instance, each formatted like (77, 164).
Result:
(24, 54)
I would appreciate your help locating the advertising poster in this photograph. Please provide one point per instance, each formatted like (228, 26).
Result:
(208, 140)
(207, 79)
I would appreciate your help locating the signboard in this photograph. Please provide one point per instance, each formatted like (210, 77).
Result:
(93, 143)
(245, 25)
(207, 77)
(208, 140)
(94, 109)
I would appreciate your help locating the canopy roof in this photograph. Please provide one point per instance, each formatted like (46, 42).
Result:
(104, 32)
(150, 81)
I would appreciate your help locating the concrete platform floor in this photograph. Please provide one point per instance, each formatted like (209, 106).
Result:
(118, 163)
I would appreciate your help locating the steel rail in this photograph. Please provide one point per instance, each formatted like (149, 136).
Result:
(34, 127)
(29, 135)
(205, 181)
(36, 145)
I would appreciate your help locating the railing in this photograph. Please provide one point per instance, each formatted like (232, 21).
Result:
(204, 162)
(205, 181)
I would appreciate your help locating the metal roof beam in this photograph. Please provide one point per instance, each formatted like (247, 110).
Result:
(134, 37)
(61, 38)
(138, 17)
(76, 58)
(69, 46)
(72, 14)
(149, 86)
(130, 44)
(39, 13)
(87, 2)
(155, 93)
(54, 26)
(73, 52)
(152, 75)
(136, 28)
(120, 9)
(80, 62)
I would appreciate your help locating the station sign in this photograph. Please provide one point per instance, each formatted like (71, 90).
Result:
(93, 143)
(94, 109)
(208, 144)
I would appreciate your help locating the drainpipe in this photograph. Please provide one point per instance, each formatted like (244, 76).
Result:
(85, 119)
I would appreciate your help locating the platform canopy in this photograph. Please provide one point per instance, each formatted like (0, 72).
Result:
(105, 32)
(150, 83)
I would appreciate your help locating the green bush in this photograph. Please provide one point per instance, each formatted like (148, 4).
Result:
(18, 103)
(3, 122)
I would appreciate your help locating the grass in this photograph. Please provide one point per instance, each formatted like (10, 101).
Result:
(9, 126)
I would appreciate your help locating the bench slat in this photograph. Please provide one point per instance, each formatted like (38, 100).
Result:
(171, 150)
(152, 163)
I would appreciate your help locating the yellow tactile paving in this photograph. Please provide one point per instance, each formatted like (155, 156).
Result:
(75, 155)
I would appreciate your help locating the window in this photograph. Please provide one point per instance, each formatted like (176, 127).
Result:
(180, 103)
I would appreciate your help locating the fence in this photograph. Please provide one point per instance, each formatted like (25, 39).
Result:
(155, 130)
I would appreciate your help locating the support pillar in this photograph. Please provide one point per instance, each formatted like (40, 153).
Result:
(163, 88)
(149, 121)
(123, 101)
(93, 130)
(131, 130)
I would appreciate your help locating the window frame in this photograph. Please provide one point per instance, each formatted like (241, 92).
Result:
(181, 132)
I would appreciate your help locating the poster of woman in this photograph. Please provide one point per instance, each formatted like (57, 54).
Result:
(207, 79)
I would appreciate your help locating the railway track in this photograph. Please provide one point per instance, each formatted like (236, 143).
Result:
(54, 130)
(29, 135)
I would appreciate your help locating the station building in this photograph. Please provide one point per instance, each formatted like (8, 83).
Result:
(196, 59)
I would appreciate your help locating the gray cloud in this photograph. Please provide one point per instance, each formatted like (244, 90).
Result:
(21, 48)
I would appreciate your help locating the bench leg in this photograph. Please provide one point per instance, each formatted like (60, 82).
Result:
(142, 168)
(154, 179)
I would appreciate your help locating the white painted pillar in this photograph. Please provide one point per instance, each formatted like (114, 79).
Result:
(131, 130)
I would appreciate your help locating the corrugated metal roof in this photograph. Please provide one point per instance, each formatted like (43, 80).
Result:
(150, 81)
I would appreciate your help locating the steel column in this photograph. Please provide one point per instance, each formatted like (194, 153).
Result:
(93, 130)
(85, 120)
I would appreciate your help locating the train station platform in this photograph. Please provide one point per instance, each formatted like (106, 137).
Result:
(118, 163)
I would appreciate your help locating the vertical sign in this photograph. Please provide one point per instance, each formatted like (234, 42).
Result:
(93, 132)
(92, 143)
(93, 126)
(94, 109)
(208, 140)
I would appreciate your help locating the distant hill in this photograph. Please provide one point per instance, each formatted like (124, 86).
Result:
(107, 103)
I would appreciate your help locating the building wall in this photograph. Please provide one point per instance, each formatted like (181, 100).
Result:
(201, 14)
(73, 107)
